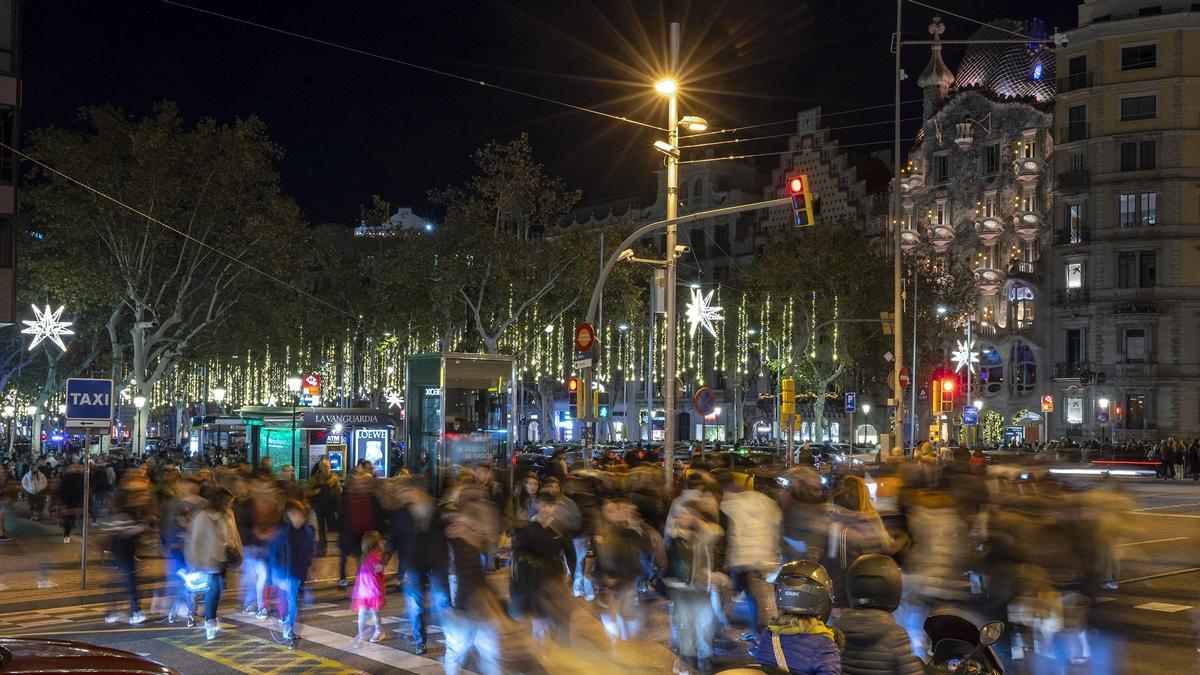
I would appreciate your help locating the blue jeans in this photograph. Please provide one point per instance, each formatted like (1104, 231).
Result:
(290, 588)
(212, 597)
(414, 595)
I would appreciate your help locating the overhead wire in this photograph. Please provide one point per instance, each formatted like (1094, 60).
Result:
(185, 235)
(410, 64)
(776, 153)
(977, 21)
(792, 120)
(793, 133)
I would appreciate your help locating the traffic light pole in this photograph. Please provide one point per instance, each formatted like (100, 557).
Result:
(668, 377)
(898, 295)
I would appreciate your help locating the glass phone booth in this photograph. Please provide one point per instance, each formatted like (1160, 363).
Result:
(460, 414)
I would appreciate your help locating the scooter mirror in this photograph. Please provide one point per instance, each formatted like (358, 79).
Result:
(990, 633)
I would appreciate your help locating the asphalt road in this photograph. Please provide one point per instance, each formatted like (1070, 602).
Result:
(1151, 624)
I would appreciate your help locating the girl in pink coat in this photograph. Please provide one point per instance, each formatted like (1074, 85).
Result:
(368, 594)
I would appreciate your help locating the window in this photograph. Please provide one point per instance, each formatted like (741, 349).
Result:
(1022, 301)
(1140, 107)
(7, 241)
(1076, 72)
(939, 212)
(1076, 347)
(1029, 144)
(1135, 411)
(989, 204)
(8, 165)
(721, 237)
(1077, 123)
(1075, 275)
(991, 370)
(697, 242)
(8, 61)
(991, 158)
(1024, 369)
(1077, 162)
(1138, 155)
(1138, 209)
(1076, 221)
(1074, 411)
(941, 168)
(1029, 199)
(1126, 269)
(1135, 57)
(908, 218)
(1135, 345)
(1148, 269)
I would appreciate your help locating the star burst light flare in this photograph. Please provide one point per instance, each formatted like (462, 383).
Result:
(46, 326)
(701, 313)
(965, 356)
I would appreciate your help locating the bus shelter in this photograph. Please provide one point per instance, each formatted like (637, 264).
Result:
(303, 436)
(459, 415)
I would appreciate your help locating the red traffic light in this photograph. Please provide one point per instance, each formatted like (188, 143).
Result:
(948, 385)
(796, 184)
(573, 384)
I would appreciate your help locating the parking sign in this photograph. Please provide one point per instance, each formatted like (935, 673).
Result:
(851, 401)
(89, 402)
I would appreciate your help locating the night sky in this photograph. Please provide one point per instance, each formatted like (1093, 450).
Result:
(353, 125)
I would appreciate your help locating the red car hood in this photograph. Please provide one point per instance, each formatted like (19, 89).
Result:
(34, 655)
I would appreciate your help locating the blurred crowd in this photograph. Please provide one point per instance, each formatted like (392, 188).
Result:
(565, 564)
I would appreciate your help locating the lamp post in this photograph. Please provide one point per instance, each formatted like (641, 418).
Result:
(139, 402)
(294, 384)
(866, 411)
(62, 414)
(34, 443)
(1103, 403)
(218, 395)
(10, 413)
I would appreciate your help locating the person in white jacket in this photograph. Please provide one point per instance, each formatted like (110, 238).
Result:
(34, 484)
(752, 549)
(213, 545)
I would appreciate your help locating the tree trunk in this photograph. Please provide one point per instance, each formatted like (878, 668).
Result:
(819, 405)
(546, 398)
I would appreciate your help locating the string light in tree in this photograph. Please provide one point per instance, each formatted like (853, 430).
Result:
(46, 326)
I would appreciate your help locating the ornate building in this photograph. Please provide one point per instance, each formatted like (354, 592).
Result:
(976, 188)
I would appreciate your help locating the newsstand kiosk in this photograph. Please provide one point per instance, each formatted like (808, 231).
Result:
(459, 415)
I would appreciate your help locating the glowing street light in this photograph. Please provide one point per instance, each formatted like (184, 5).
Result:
(666, 86)
(218, 394)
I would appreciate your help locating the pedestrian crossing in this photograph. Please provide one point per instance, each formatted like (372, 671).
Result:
(17, 622)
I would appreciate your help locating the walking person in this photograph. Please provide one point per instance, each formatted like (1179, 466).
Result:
(358, 514)
(1192, 461)
(70, 493)
(368, 598)
(691, 562)
(324, 492)
(8, 494)
(34, 484)
(213, 546)
(125, 532)
(420, 545)
(290, 555)
(752, 548)
(538, 584)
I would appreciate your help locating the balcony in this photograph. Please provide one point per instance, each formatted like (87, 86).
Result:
(1072, 297)
(909, 239)
(1028, 170)
(1023, 269)
(1072, 179)
(989, 279)
(989, 230)
(1074, 82)
(915, 179)
(964, 135)
(941, 237)
(1028, 225)
(1069, 237)
(1070, 371)
(1074, 132)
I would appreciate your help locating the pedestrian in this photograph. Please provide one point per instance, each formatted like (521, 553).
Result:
(1192, 462)
(620, 546)
(290, 557)
(753, 524)
(691, 540)
(855, 529)
(538, 580)
(525, 506)
(978, 461)
(34, 483)
(420, 546)
(324, 493)
(174, 538)
(358, 514)
(214, 546)
(71, 498)
(367, 598)
(805, 515)
(9, 487)
(125, 532)
(798, 640)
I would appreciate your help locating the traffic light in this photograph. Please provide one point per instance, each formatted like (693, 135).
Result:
(787, 398)
(601, 408)
(948, 385)
(802, 205)
(935, 406)
(573, 386)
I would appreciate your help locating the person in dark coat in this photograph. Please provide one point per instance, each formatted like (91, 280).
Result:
(324, 491)
(1192, 460)
(70, 493)
(359, 513)
(875, 643)
(289, 558)
(420, 545)
(538, 574)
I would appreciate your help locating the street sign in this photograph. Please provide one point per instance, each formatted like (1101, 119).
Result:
(887, 356)
(851, 401)
(1102, 416)
(583, 361)
(905, 378)
(310, 384)
(935, 433)
(970, 416)
(89, 402)
(923, 393)
(585, 336)
(1047, 403)
(705, 401)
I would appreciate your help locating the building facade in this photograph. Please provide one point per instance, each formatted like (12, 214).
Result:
(1126, 254)
(10, 128)
(976, 187)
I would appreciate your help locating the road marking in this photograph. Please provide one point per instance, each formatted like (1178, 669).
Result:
(388, 656)
(1169, 506)
(256, 656)
(1152, 541)
(340, 612)
(1159, 575)
(1162, 607)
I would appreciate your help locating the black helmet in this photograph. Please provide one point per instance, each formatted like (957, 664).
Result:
(803, 588)
(873, 582)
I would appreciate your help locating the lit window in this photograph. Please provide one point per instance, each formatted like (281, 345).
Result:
(1075, 275)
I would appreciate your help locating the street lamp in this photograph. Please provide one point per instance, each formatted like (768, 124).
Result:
(139, 402)
(866, 411)
(294, 384)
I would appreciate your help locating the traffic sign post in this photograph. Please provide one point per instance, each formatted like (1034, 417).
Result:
(585, 337)
(970, 416)
(850, 404)
(89, 405)
(905, 378)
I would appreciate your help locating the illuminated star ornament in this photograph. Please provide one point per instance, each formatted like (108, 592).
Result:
(394, 399)
(965, 356)
(46, 326)
(701, 313)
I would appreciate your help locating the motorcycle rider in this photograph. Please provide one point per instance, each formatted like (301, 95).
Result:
(875, 642)
(798, 640)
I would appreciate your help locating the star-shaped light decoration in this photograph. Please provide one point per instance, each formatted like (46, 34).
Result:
(394, 399)
(701, 313)
(46, 326)
(965, 356)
